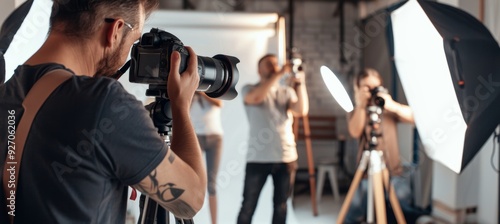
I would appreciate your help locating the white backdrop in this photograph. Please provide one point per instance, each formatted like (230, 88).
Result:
(29, 37)
(247, 37)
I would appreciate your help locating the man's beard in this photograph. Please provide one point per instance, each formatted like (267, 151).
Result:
(108, 65)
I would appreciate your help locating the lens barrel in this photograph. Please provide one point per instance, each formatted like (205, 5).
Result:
(377, 100)
(218, 76)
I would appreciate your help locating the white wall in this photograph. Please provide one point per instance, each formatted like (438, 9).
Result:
(488, 210)
(6, 7)
(487, 186)
(492, 17)
(451, 2)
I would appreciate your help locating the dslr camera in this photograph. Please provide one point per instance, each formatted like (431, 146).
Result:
(150, 64)
(296, 60)
(376, 106)
(377, 100)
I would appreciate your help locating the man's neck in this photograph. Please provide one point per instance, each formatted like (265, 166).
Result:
(58, 48)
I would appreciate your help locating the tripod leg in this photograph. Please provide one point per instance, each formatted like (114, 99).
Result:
(148, 210)
(369, 199)
(396, 207)
(310, 163)
(378, 186)
(378, 191)
(354, 185)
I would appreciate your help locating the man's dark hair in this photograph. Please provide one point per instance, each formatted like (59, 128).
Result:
(264, 57)
(365, 73)
(82, 18)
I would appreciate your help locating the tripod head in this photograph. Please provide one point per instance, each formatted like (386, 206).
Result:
(374, 116)
(160, 110)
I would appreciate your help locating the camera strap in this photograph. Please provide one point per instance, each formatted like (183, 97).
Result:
(35, 98)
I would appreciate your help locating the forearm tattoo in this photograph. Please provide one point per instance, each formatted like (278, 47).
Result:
(171, 157)
(167, 195)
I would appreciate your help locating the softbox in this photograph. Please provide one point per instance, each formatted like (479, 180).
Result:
(449, 66)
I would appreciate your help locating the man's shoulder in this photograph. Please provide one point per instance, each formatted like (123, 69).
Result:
(246, 88)
(81, 88)
(37, 71)
(250, 85)
(99, 85)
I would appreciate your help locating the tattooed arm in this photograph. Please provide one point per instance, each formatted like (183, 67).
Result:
(175, 186)
(179, 182)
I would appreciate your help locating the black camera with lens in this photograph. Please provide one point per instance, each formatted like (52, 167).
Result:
(296, 60)
(150, 64)
(375, 99)
(376, 105)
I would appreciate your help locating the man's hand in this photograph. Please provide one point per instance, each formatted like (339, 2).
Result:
(213, 101)
(389, 103)
(299, 77)
(362, 95)
(404, 112)
(181, 87)
(286, 69)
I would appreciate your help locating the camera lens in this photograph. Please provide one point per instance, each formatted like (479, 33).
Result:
(218, 76)
(379, 101)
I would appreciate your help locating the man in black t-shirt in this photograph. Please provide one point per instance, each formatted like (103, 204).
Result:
(91, 139)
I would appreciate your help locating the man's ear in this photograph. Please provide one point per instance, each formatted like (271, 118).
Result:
(114, 32)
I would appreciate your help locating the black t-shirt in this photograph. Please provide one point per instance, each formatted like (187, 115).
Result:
(89, 141)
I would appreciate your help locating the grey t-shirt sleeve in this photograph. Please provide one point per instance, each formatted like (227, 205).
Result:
(245, 90)
(132, 148)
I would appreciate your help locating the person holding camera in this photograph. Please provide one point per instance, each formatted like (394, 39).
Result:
(92, 139)
(367, 82)
(206, 119)
(272, 150)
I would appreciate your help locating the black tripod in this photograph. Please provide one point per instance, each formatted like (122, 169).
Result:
(161, 114)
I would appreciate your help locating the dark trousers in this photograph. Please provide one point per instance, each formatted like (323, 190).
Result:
(402, 188)
(283, 175)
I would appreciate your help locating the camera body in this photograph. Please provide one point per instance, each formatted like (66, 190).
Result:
(297, 65)
(150, 57)
(296, 61)
(150, 64)
(376, 105)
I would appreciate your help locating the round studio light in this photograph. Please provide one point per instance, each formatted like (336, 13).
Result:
(336, 89)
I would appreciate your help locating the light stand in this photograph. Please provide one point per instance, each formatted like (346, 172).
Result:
(297, 67)
(305, 119)
(310, 161)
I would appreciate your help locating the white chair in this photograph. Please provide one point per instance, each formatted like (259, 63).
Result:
(323, 170)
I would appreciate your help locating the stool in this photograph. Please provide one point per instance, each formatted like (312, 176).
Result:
(323, 169)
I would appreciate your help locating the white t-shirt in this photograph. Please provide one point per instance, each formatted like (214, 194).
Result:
(205, 117)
